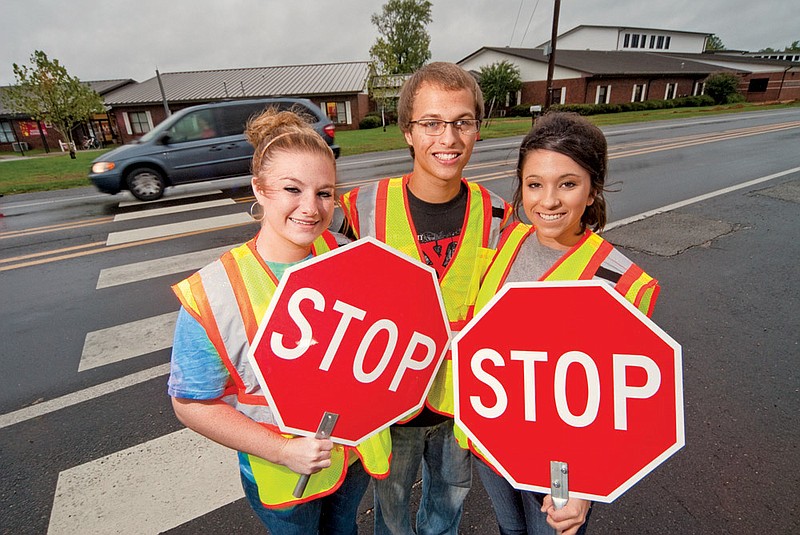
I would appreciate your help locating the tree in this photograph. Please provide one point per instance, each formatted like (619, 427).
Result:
(722, 87)
(403, 45)
(384, 89)
(497, 81)
(46, 92)
(794, 47)
(714, 43)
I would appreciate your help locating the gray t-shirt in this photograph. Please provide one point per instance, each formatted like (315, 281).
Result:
(532, 261)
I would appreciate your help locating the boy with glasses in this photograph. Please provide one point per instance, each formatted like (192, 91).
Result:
(435, 215)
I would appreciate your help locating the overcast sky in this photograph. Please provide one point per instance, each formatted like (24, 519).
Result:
(109, 39)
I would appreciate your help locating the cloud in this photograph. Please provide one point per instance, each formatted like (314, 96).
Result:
(114, 39)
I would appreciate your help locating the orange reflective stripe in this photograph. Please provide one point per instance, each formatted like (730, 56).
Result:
(600, 254)
(348, 203)
(240, 291)
(381, 210)
(325, 242)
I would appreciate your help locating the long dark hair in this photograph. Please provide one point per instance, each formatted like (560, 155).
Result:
(575, 137)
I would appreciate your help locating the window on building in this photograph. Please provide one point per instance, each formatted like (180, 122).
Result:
(660, 42)
(643, 42)
(666, 42)
(139, 122)
(635, 40)
(652, 41)
(6, 132)
(338, 112)
(559, 95)
(603, 94)
(670, 92)
(638, 92)
(627, 41)
(699, 88)
(758, 85)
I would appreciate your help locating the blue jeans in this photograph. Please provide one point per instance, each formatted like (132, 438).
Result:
(334, 514)
(446, 479)
(518, 512)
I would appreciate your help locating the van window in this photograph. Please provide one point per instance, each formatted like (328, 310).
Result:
(233, 119)
(194, 126)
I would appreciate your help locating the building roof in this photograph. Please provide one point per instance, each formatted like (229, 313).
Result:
(106, 86)
(612, 62)
(622, 28)
(290, 80)
(726, 56)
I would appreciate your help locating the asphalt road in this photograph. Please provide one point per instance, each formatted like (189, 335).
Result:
(88, 442)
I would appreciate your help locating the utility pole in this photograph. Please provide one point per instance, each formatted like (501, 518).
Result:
(548, 98)
(163, 94)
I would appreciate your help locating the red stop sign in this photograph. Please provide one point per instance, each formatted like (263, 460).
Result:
(359, 332)
(572, 372)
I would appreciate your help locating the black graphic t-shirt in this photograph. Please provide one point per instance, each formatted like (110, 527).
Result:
(438, 227)
(438, 231)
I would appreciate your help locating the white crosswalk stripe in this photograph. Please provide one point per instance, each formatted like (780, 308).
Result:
(174, 209)
(159, 267)
(144, 489)
(171, 229)
(127, 341)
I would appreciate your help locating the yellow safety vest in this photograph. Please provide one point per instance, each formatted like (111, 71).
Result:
(592, 257)
(229, 298)
(381, 210)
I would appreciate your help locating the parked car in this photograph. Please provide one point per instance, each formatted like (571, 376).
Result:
(200, 143)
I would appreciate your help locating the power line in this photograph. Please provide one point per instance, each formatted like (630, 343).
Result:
(515, 22)
(529, 23)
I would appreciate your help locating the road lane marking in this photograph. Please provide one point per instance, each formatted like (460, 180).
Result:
(126, 341)
(153, 212)
(87, 394)
(158, 267)
(699, 198)
(171, 229)
(168, 197)
(146, 489)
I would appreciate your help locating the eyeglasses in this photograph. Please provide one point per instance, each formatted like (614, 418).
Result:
(436, 127)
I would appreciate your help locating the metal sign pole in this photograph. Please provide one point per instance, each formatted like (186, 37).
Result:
(323, 431)
(559, 484)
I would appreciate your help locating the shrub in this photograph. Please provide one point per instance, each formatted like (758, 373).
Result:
(369, 121)
(721, 86)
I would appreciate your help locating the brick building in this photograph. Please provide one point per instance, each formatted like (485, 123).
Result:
(339, 89)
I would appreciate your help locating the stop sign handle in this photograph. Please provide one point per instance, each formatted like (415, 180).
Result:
(323, 431)
(559, 487)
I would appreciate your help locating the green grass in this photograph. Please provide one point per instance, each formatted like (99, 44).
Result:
(38, 172)
(46, 172)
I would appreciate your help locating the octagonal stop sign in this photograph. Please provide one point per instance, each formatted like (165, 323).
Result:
(571, 372)
(359, 332)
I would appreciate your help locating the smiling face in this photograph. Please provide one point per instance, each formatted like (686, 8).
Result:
(555, 193)
(296, 194)
(439, 161)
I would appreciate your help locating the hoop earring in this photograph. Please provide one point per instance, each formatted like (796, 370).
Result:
(253, 210)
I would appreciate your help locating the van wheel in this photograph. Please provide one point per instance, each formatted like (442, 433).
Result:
(146, 184)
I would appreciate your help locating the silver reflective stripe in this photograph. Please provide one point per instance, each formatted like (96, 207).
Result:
(366, 201)
(494, 230)
(616, 262)
(225, 308)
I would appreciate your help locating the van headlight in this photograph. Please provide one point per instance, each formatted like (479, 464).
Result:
(102, 167)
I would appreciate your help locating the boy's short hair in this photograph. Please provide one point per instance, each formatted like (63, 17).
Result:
(447, 76)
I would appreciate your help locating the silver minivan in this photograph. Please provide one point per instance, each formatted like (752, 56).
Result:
(200, 143)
